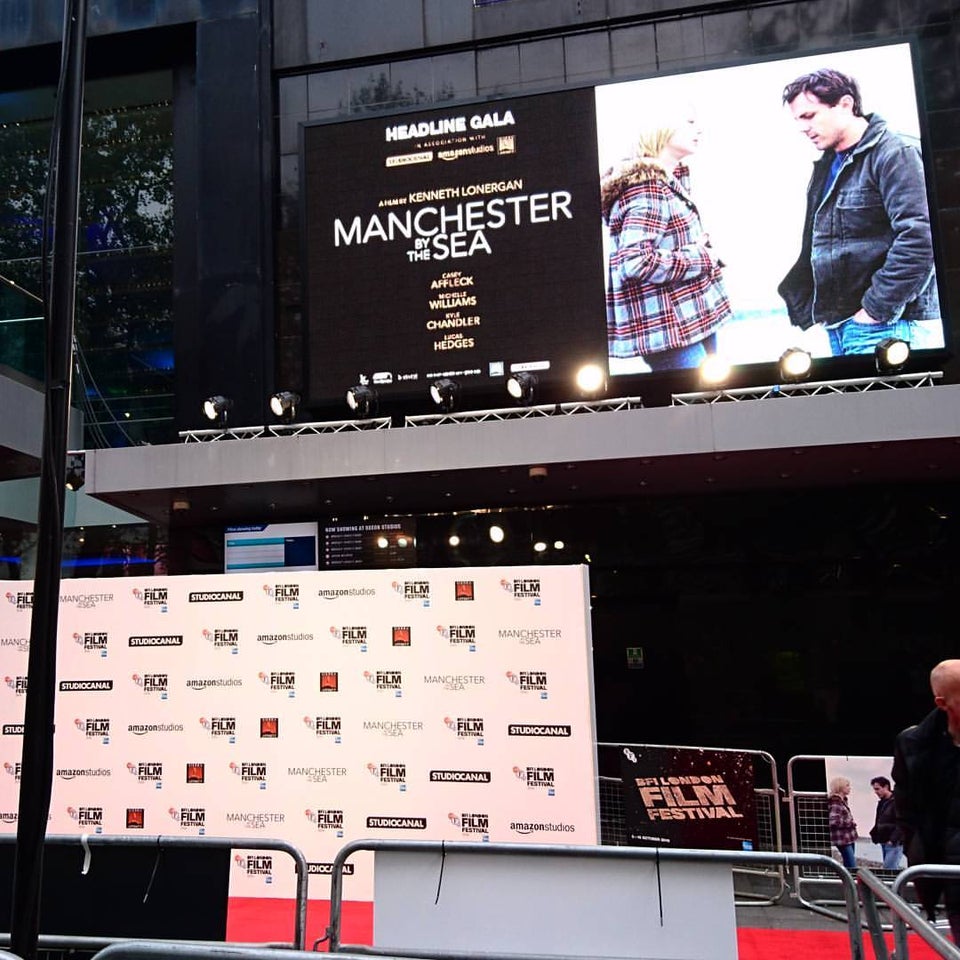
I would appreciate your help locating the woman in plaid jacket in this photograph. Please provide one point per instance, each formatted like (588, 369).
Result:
(843, 828)
(665, 295)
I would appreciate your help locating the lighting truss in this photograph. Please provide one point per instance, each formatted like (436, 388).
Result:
(283, 430)
(905, 381)
(525, 413)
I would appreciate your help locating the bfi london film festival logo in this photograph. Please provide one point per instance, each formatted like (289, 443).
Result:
(417, 591)
(94, 642)
(537, 778)
(279, 681)
(250, 772)
(13, 769)
(147, 771)
(153, 683)
(284, 593)
(326, 727)
(21, 599)
(529, 681)
(153, 597)
(221, 727)
(466, 728)
(255, 865)
(87, 817)
(390, 774)
(462, 635)
(223, 638)
(389, 681)
(327, 821)
(94, 728)
(471, 824)
(17, 684)
(355, 636)
(189, 818)
(523, 588)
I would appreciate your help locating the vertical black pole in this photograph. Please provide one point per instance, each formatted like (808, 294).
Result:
(36, 775)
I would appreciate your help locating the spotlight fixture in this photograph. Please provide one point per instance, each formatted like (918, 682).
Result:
(284, 405)
(591, 379)
(217, 408)
(76, 470)
(714, 370)
(522, 386)
(795, 364)
(445, 393)
(496, 533)
(891, 355)
(362, 400)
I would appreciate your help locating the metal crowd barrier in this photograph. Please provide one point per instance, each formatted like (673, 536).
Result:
(767, 798)
(143, 950)
(905, 914)
(735, 858)
(85, 842)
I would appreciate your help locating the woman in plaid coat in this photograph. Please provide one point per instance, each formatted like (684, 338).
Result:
(843, 828)
(665, 295)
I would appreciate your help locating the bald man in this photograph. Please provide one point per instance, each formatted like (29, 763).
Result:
(926, 769)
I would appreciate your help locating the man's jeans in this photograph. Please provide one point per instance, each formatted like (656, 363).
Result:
(848, 337)
(892, 855)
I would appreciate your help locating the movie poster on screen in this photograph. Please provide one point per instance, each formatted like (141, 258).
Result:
(688, 797)
(457, 242)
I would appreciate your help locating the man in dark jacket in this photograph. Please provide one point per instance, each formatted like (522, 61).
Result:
(885, 830)
(865, 270)
(926, 770)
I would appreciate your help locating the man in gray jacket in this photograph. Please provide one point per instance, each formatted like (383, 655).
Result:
(866, 269)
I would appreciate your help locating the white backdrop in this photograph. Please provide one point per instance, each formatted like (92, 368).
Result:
(316, 708)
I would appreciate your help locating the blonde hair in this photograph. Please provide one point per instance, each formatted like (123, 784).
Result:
(651, 142)
(837, 784)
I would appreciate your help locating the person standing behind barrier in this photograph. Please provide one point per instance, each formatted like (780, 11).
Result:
(843, 828)
(665, 294)
(885, 831)
(926, 773)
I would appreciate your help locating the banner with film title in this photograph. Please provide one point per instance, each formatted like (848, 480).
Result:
(316, 708)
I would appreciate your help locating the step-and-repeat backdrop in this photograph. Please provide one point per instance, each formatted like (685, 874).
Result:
(442, 704)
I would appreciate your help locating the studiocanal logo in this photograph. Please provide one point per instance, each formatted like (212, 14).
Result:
(466, 728)
(390, 773)
(415, 590)
(351, 636)
(22, 600)
(390, 681)
(326, 820)
(215, 596)
(152, 597)
(94, 728)
(539, 730)
(459, 635)
(285, 593)
(17, 684)
(85, 686)
(223, 638)
(250, 772)
(325, 727)
(280, 681)
(396, 823)
(529, 681)
(189, 818)
(147, 771)
(255, 865)
(87, 817)
(523, 588)
(92, 642)
(221, 727)
(475, 824)
(152, 683)
(537, 778)
(460, 776)
(157, 640)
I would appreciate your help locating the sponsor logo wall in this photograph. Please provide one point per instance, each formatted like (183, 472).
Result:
(316, 708)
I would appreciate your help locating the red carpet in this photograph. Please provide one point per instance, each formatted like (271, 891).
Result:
(253, 920)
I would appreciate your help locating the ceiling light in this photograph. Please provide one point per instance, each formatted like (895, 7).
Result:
(496, 533)
(76, 470)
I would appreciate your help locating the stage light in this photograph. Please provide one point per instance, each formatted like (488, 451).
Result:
(591, 378)
(217, 408)
(496, 533)
(284, 404)
(76, 470)
(445, 393)
(714, 370)
(522, 386)
(891, 355)
(453, 540)
(363, 401)
(795, 364)
(539, 546)
(383, 542)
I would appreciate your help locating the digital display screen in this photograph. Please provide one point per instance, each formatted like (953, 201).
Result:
(369, 543)
(269, 547)
(479, 240)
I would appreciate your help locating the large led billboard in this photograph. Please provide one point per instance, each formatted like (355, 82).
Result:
(625, 222)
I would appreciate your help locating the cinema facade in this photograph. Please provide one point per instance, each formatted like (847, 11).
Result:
(301, 198)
